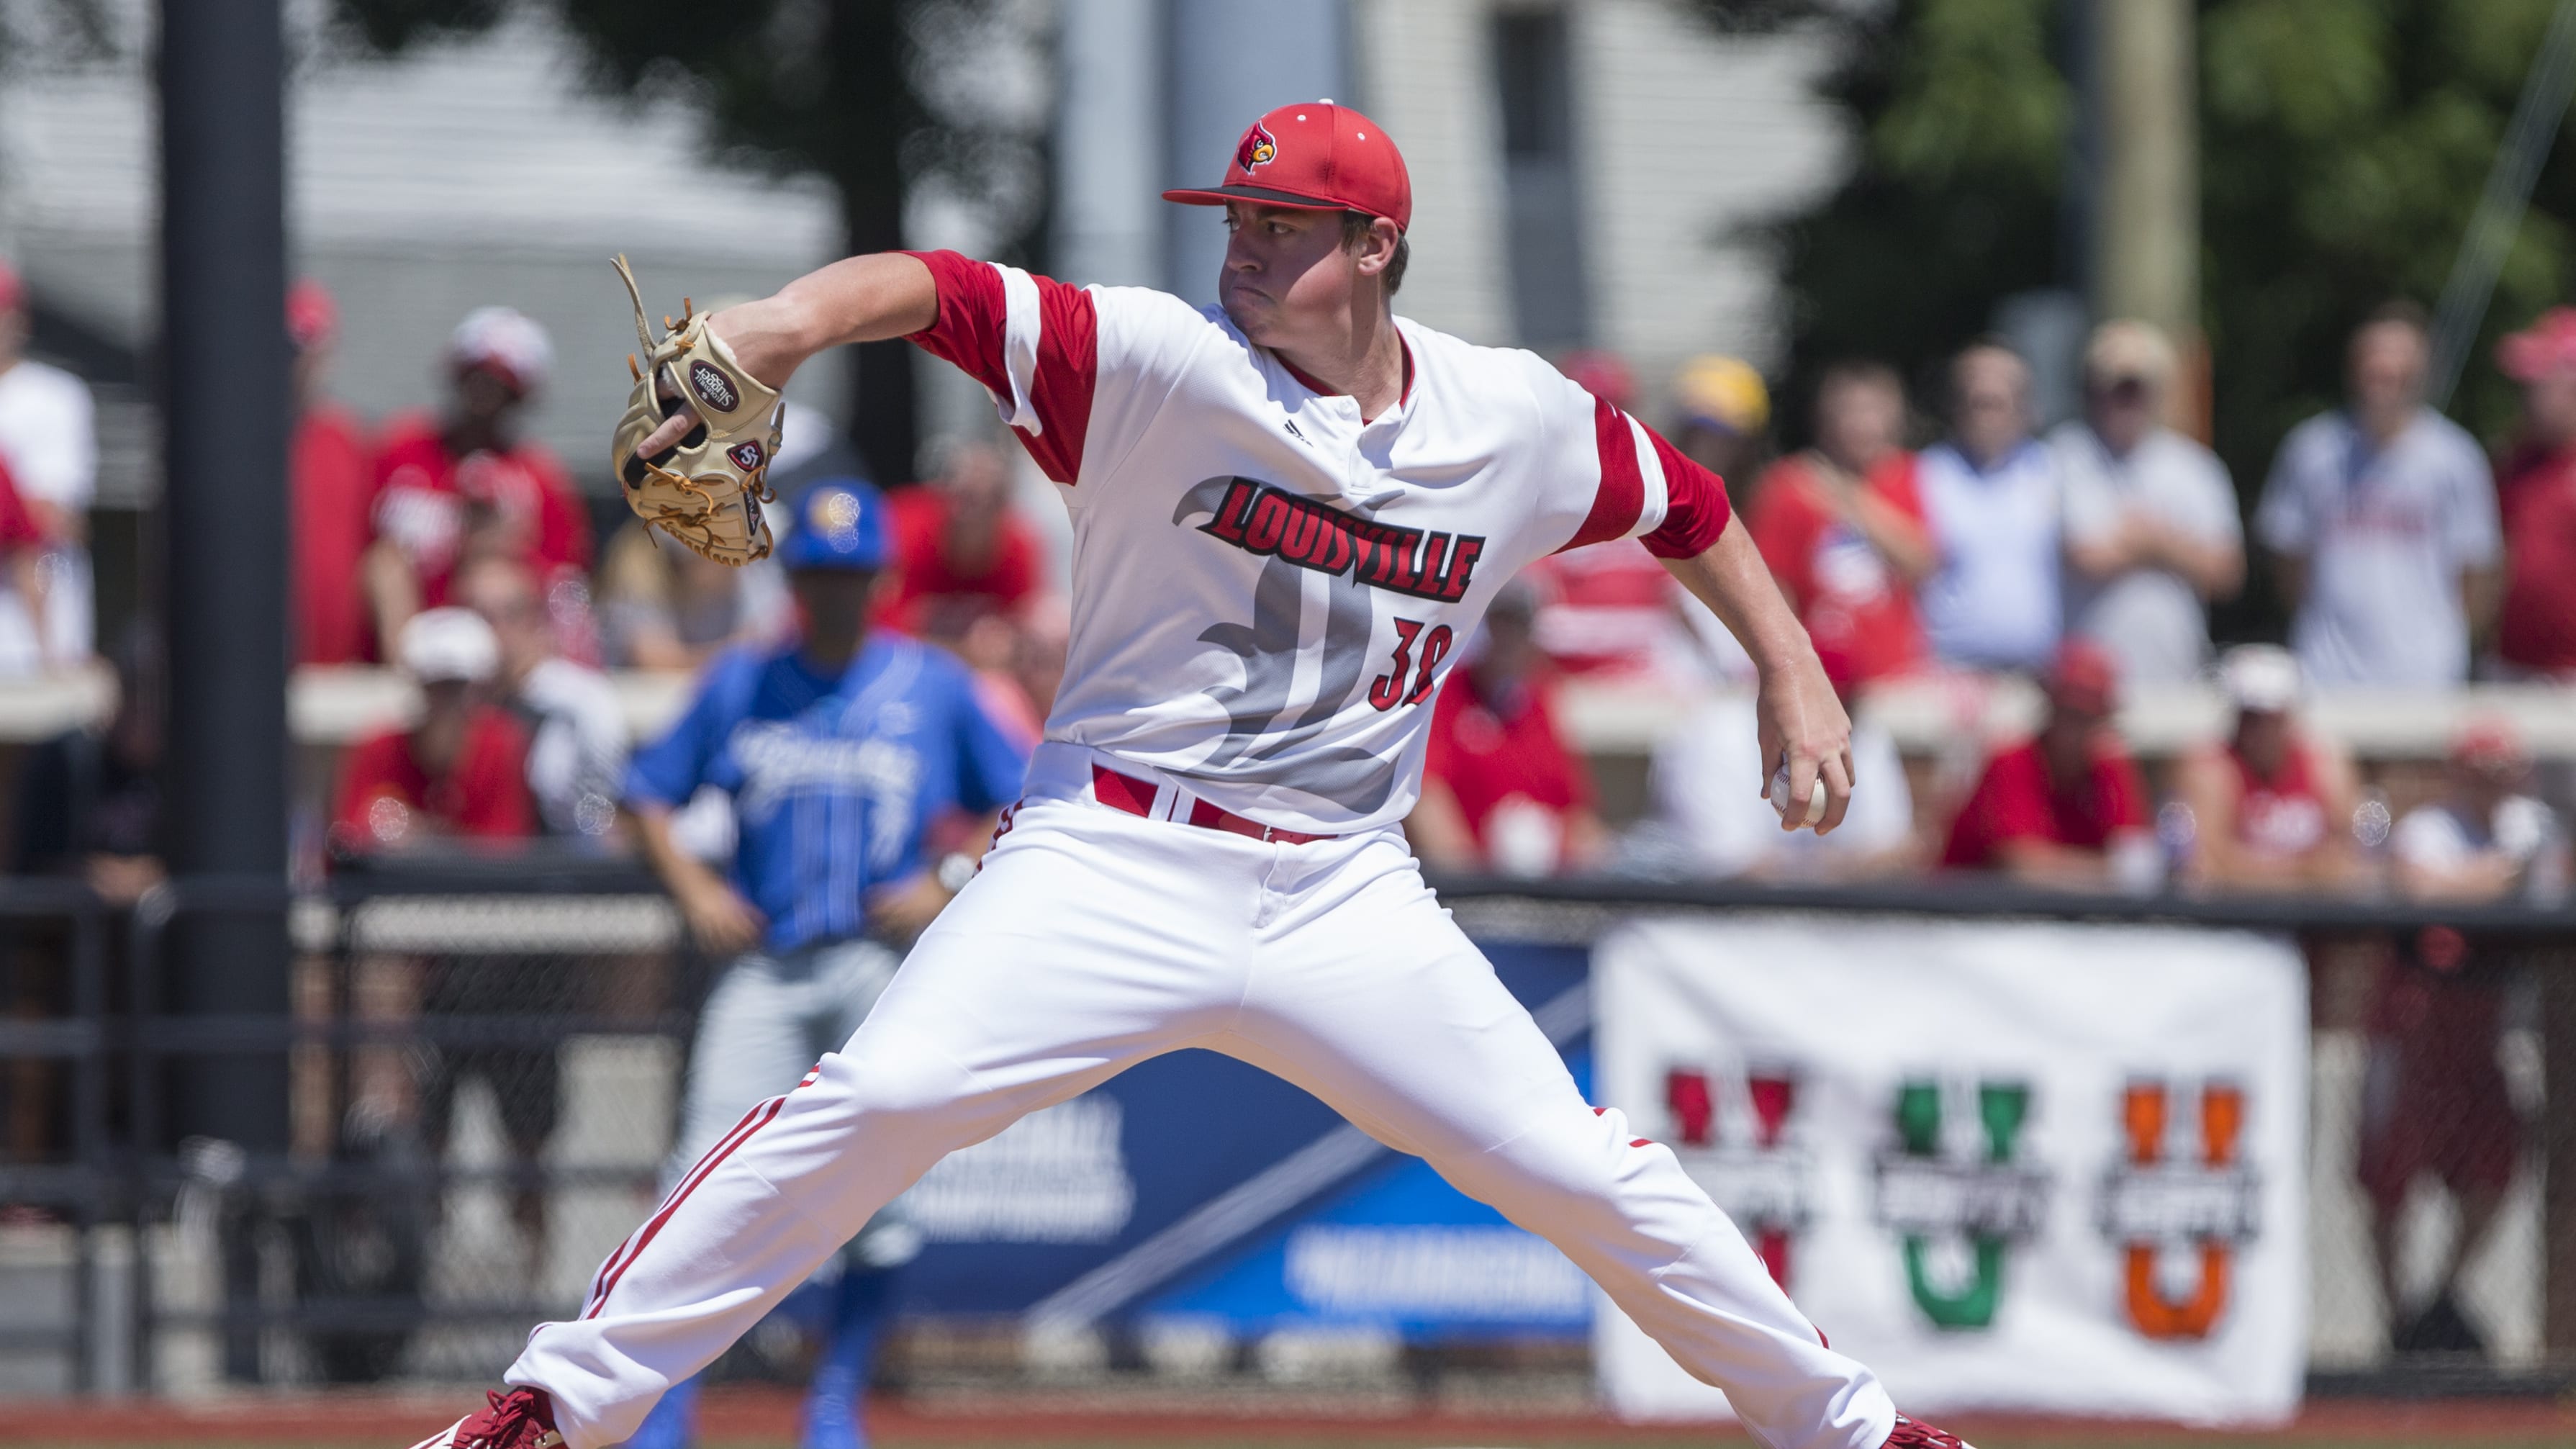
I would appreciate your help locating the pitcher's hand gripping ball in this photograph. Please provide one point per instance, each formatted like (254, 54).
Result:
(707, 489)
(1815, 806)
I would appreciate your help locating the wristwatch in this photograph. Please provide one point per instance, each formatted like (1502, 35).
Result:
(955, 869)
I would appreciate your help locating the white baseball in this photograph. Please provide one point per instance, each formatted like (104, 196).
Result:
(1780, 799)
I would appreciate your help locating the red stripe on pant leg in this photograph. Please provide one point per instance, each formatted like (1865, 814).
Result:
(610, 1267)
(644, 1237)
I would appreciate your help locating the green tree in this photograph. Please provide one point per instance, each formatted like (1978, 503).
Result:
(2343, 146)
(836, 88)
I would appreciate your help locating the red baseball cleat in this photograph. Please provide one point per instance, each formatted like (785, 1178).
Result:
(518, 1419)
(1915, 1434)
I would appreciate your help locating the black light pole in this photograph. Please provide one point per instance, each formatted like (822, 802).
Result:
(225, 395)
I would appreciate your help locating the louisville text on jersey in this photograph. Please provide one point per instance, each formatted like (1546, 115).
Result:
(1263, 519)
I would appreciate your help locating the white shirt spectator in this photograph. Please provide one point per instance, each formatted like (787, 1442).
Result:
(2440, 837)
(1707, 811)
(2152, 620)
(1994, 602)
(2386, 533)
(49, 438)
(577, 747)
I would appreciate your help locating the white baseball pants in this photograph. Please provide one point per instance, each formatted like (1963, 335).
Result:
(1093, 940)
(770, 1016)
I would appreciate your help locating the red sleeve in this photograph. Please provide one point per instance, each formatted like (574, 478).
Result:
(493, 799)
(18, 527)
(2004, 806)
(973, 331)
(1573, 772)
(563, 539)
(366, 773)
(1695, 507)
(2124, 802)
(1894, 480)
(1783, 527)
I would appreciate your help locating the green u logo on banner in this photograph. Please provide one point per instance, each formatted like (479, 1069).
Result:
(1925, 1196)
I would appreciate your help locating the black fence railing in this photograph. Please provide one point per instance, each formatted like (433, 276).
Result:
(482, 1056)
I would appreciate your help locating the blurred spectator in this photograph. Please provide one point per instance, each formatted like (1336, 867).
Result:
(23, 550)
(88, 808)
(663, 607)
(458, 774)
(1842, 526)
(333, 481)
(2381, 520)
(466, 484)
(1710, 807)
(2536, 496)
(575, 725)
(1723, 409)
(2271, 805)
(2151, 529)
(89, 799)
(2066, 808)
(49, 445)
(1610, 609)
(2434, 1099)
(1501, 789)
(1991, 492)
(2484, 840)
(961, 551)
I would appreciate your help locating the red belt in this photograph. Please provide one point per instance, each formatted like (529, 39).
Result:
(1136, 797)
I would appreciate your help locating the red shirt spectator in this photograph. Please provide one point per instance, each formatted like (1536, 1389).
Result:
(18, 526)
(1501, 788)
(962, 552)
(2536, 623)
(389, 798)
(2064, 808)
(1508, 768)
(2016, 800)
(334, 482)
(434, 506)
(1845, 590)
(930, 572)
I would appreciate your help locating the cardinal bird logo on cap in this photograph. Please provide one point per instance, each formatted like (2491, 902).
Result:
(1257, 148)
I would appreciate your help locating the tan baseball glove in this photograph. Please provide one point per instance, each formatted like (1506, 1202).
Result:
(706, 491)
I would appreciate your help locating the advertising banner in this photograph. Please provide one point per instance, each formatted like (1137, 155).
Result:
(1194, 1185)
(2023, 1166)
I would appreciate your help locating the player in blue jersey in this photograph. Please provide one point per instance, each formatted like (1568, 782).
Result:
(840, 751)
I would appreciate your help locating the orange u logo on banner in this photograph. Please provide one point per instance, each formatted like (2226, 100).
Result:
(2145, 1107)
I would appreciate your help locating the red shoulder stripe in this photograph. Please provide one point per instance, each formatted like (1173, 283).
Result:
(973, 332)
(1622, 495)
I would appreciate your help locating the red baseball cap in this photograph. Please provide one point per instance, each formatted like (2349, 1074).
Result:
(2491, 746)
(312, 316)
(2546, 346)
(2083, 678)
(1315, 156)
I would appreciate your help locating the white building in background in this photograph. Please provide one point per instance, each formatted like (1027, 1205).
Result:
(1581, 171)
(467, 172)
(1584, 172)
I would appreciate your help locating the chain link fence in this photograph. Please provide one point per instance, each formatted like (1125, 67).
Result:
(483, 1063)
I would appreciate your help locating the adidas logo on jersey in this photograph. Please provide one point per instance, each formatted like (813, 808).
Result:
(1262, 519)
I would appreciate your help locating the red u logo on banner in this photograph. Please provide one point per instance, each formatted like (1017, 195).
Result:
(1756, 1177)
(2145, 1111)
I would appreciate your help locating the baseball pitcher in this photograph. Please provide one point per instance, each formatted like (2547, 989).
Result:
(1288, 510)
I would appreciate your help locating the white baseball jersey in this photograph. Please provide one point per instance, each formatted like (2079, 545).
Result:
(1267, 588)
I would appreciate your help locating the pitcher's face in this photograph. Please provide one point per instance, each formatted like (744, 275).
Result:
(1287, 278)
